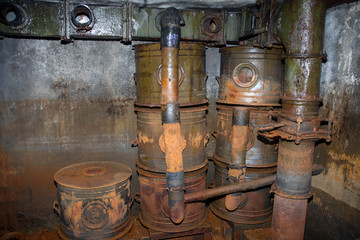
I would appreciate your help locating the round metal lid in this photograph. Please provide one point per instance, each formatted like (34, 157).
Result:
(92, 174)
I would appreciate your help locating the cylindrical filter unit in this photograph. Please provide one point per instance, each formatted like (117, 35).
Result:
(261, 152)
(192, 76)
(256, 207)
(154, 204)
(251, 76)
(150, 155)
(93, 200)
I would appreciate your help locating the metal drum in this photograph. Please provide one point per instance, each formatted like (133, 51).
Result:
(257, 207)
(93, 200)
(192, 88)
(263, 153)
(153, 207)
(251, 76)
(150, 155)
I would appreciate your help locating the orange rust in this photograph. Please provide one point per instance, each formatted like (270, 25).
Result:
(170, 75)
(238, 138)
(173, 143)
(97, 203)
(144, 139)
(288, 218)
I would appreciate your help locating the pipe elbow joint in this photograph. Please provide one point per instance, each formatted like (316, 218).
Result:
(175, 185)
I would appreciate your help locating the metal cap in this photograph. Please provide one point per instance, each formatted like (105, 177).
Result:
(92, 175)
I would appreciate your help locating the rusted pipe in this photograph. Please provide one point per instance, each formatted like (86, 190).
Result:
(238, 140)
(227, 189)
(172, 142)
(300, 28)
(288, 213)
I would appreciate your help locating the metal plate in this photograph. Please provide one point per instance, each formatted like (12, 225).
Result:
(92, 175)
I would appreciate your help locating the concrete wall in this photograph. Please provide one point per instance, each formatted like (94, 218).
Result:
(334, 212)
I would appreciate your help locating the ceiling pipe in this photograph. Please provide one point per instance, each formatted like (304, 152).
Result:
(172, 142)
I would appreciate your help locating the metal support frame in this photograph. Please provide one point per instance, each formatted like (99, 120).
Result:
(124, 21)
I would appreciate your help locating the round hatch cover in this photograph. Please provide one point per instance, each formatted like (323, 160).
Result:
(92, 174)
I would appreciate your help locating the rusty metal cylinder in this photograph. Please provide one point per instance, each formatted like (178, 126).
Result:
(256, 207)
(192, 76)
(294, 170)
(93, 200)
(289, 218)
(150, 155)
(154, 212)
(251, 76)
(262, 153)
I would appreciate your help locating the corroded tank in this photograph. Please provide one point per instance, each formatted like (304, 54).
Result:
(257, 205)
(150, 155)
(192, 82)
(260, 153)
(154, 204)
(251, 76)
(93, 200)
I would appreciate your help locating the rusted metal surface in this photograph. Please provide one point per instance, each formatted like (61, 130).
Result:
(257, 234)
(173, 143)
(150, 155)
(258, 206)
(227, 189)
(261, 153)
(239, 142)
(294, 169)
(300, 28)
(192, 85)
(289, 218)
(251, 76)
(153, 201)
(93, 200)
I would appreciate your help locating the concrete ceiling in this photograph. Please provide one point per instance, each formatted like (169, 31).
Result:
(194, 3)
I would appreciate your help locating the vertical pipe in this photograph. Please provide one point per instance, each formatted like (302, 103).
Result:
(300, 28)
(237, 168)
(173, 141)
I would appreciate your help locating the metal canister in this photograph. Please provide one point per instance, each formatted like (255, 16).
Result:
(150, 129)
(256, 207)
(154, 204)
(93, 200)
(251, 76)
(260, 153)
(192, 82)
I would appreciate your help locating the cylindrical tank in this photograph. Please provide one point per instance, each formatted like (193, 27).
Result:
(93, 200)
(150, 155)
(257, 207)
(251, 76)
(263, 153)
(192, 88)
(154, 204)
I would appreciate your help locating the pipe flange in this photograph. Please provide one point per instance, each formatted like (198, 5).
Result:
(13, 15)
(276, 190)
(320, 55)
(82, 18)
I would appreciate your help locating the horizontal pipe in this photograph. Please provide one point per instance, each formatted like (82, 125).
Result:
(227, 189)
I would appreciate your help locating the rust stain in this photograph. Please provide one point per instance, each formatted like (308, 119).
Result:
(144, 139)
(174, 143)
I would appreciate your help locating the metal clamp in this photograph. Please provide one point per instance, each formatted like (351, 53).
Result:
(56, 208)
